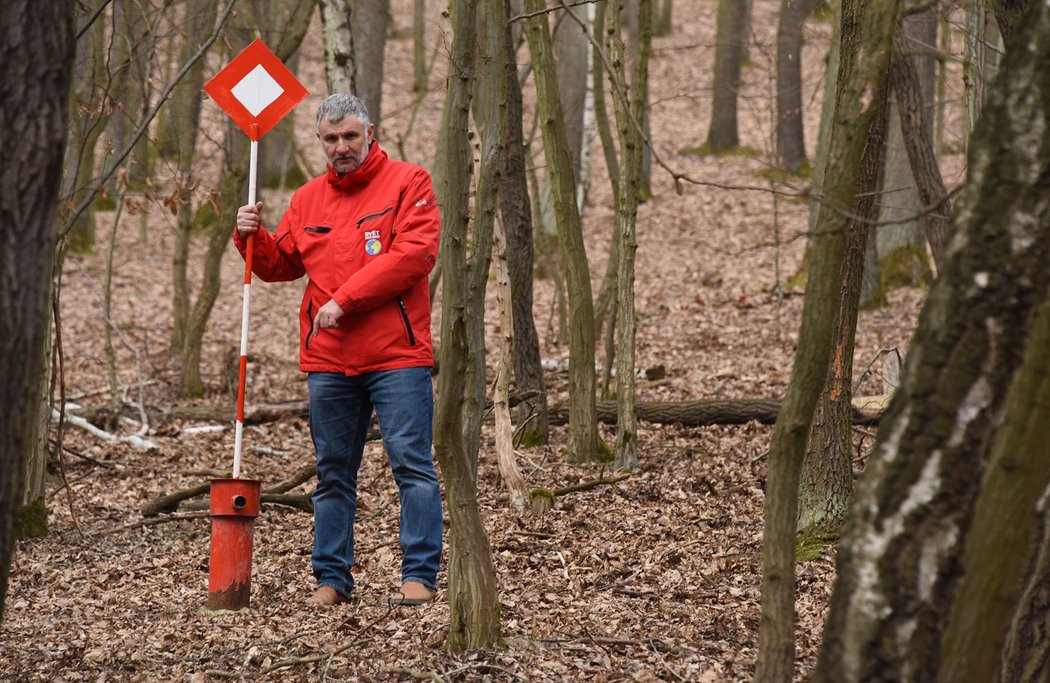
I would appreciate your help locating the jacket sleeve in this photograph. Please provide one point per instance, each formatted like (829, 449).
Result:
(275, 257)
(411, 256)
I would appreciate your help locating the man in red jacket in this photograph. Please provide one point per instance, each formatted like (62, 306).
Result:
(366, 234)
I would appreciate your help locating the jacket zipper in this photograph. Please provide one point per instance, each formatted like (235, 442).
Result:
(375, 215)
(310, 315)
(404, 319)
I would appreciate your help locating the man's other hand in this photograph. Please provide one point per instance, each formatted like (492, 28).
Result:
(327, 317)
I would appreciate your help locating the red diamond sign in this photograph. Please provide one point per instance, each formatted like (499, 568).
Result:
(256, 90)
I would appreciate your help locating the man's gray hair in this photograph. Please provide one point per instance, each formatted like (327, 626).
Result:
(336, 107)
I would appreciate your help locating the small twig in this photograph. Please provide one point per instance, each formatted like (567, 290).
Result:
(663, 661)
(78, 454)
(413, 673)
(266, 450)
(482, 665)
(144, 124)
(59, 377)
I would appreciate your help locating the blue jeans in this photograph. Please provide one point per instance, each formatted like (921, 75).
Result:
(340, 413)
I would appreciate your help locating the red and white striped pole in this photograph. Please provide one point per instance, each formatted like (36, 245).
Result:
(250, 243)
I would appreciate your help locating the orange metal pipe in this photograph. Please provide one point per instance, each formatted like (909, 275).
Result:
(234, 507)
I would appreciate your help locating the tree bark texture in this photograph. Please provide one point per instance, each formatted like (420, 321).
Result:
(901, 561)
(1007, 519)
(474, 620)
(506, 460)
(419, 50)
(791, 143)
(583, 428)
(92, 83)
(629, 106)
(370, 20)
(912, 78)
(730, 43)
(488, 112)
(36, 57)
(570, 47)
(980, 61)
(826, 485)
(867, 30)
(516, 215)
(1008, 14)
(339, 69)
(218, 234)
(179, 143)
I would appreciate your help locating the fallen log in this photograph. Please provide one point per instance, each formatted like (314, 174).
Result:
(867, 410)
(272, 494)
(711, 411)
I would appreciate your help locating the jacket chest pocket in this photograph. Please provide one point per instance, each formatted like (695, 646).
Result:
(317, 238)
(374, 231)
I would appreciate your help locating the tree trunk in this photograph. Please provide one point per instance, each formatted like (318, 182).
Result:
(662, 21)
(730, 43)
(370, 21)
(218, 234)
(1007, 518)
(629, 105)
(912, 77)
(1008, 16)
(901, 561)
(900, 242)
(419, 48)
(867, 30)
(488, 111)
(517, 223)
(181, 118)
(827, 118)
(826, 485)
(339, 70)
(87, 122)
(180, 141)
(583, 429)
(634, 45)
(571, 46)
(32, 509)
(506, 461)
(36, 61)
(474, 621)
(791, 145)
(132, 101)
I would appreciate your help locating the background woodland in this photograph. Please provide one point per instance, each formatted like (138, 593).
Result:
(741, 321)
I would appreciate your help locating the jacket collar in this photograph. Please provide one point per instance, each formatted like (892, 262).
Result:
(362, 174)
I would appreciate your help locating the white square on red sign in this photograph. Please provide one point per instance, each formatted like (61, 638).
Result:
(256, 90)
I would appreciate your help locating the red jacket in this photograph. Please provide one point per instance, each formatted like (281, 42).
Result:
(368, 240)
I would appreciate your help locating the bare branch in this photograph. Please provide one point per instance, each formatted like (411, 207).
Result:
(144, 124)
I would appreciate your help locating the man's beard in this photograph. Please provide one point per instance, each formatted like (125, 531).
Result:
(354, 163)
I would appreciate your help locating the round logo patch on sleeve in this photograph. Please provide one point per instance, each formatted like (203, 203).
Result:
(373, 247)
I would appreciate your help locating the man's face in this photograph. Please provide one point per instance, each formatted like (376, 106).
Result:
(345, 142)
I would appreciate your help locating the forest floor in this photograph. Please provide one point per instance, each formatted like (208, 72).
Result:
(656, 577)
